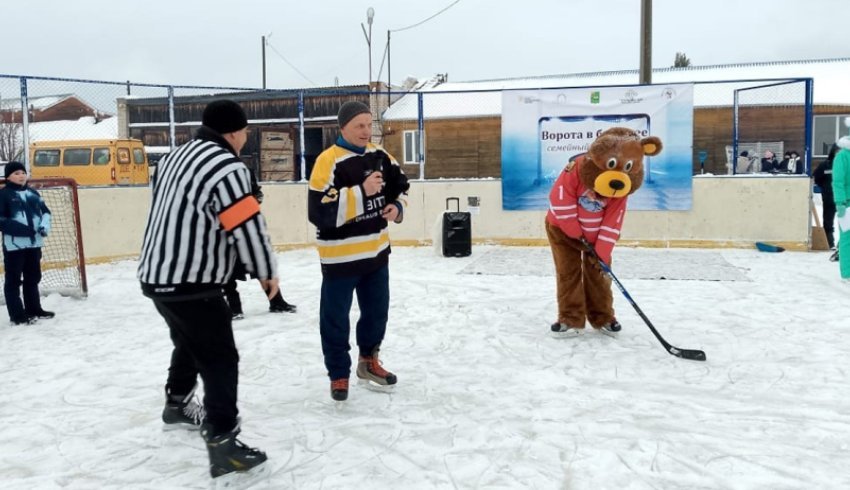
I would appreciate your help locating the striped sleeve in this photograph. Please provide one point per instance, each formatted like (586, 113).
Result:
(563, 204)
(239, 215)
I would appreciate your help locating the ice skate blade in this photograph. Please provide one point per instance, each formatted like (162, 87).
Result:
(180, 426)
(567, 334)
(372, 386)
(609, 333)
(256, 477)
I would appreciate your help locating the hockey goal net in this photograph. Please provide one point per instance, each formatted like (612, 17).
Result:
(63, 267)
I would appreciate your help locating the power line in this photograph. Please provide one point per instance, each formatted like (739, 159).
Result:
(426, 20)
(290, 64)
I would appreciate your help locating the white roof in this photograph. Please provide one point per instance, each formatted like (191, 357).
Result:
(84, 128)
(830, 87)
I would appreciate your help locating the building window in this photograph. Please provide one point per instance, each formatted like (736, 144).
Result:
(411, 146)
(826, 131)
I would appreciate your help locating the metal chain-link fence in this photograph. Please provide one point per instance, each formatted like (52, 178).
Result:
(67, 126)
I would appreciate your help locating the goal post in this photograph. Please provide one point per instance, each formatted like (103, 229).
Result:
(63, 266)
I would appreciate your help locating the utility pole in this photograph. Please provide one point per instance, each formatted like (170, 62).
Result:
(370, 15)
(389, 85)
(264, 61)
(645, 42)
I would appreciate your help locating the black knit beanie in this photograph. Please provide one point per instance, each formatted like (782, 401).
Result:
(224, 116)
(350, 110)
(12, 167)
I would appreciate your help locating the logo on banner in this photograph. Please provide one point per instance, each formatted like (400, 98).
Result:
(631, 97)
(668, 93)
(594, 97)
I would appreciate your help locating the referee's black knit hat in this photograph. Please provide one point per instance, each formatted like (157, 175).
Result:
(224, 116)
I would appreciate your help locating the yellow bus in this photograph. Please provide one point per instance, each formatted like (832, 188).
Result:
(91, 162)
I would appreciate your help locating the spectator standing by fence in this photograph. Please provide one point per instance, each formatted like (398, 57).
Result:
(823, 179)
(841, 191)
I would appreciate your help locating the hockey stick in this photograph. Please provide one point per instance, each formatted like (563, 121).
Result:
(693, 355)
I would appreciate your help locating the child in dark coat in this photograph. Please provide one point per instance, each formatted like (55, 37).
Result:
(24, 222)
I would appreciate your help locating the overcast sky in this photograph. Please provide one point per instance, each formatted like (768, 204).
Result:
(205, 42)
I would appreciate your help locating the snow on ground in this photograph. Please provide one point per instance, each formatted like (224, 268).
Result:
(486, 398)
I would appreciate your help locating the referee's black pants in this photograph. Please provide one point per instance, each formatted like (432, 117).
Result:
(202, 333)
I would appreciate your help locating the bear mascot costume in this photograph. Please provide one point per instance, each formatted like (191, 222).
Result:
(586, 207)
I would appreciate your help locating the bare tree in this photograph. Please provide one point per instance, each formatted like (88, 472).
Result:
(681, 61)
(11, 146)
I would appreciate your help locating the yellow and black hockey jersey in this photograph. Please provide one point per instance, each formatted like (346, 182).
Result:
(352, 235)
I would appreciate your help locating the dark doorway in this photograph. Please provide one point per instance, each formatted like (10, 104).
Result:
(313, 146)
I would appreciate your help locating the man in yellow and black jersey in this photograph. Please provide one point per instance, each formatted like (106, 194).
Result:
(356, 188)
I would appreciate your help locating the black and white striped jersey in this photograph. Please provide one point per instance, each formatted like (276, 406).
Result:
(203, 217)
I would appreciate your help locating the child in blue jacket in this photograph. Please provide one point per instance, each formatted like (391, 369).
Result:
(24, 222)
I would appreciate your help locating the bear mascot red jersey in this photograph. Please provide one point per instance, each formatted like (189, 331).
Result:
(587, 203)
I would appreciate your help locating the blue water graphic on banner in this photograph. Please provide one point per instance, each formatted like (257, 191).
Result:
(543, 130)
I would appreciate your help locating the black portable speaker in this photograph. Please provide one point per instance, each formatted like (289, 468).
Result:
(457, 231)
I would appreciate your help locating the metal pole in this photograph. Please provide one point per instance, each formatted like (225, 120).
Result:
(646, 42)
(301, 135)
(25, 119)
(810, 87)
(171, 130)
(421, 137)
(734, 158)
(263, 40)
(389, 89)
(370, 56)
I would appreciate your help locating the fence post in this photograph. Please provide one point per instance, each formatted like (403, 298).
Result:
(25, 120)
(734, 158)
(301, 135)
(810, 87)
(421, 121)
(171, 131)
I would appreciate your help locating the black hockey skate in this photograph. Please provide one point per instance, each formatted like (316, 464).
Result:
(279, 305)
(228, 454)
(611, 328)
(43, 314)
(30, 320)
(834, 257)
(562, 330)
(182, 411)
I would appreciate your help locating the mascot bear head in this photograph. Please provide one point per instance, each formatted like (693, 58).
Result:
(613, 165)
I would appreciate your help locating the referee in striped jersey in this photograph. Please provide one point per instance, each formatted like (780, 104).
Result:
(203, 218)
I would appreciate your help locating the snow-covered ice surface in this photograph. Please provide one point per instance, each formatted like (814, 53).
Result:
(486, 398)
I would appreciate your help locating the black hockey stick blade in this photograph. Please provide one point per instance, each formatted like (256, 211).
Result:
(690, 354)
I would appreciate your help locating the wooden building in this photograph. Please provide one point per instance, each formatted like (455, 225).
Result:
(462, 120)
(273, 149)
